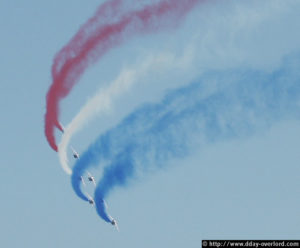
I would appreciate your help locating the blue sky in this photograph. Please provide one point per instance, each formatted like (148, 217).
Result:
(247, 187)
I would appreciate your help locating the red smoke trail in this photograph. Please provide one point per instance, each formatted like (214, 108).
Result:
(96, 38)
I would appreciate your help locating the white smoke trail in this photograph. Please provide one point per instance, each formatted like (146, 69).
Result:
(102, 101)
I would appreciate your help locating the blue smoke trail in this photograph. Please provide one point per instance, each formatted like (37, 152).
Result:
(188, 118)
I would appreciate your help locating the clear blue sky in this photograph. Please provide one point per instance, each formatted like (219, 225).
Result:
(241, 188)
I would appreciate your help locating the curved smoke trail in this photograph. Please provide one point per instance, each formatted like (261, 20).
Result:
(186, 119)
(65, 61)
(104, 98)
(86, 48)
(99, 103)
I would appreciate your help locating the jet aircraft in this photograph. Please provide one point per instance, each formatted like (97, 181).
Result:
(91, 178)
(75, 154)
(90, 199)
(114, 223)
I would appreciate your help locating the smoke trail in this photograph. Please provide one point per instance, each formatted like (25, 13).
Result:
(194, 57)
(187, 119)
(101, 102)
(64, 62)
(73, 60)
(103, 211)
(103, 99)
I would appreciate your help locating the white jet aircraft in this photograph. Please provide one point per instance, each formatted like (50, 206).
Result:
(114, 223)
(91, 178)
(75, 154)
(90, 199)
